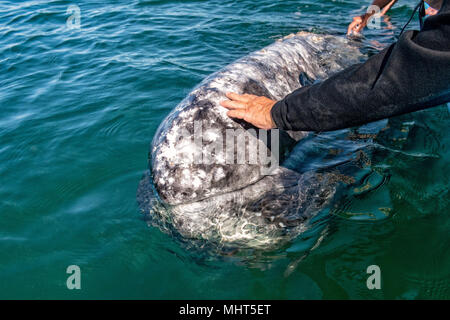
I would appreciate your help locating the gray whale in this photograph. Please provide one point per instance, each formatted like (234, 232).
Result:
(239, 203)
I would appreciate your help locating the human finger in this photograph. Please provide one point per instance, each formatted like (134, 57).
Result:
(239, 114)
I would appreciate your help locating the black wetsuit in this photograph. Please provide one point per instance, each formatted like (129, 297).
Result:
(409, 75)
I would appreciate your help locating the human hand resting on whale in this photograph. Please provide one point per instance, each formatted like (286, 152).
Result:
(251, 108)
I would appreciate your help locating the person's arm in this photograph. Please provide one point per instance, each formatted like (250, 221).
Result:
(360, 22)
(410, 75)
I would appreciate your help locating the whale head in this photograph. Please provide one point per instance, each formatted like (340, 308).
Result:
(222, 180)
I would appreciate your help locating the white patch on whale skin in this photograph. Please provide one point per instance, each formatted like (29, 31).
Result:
(196, 182)
(219, 174)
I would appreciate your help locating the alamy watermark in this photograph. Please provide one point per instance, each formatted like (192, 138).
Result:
(374, 280)
(74, 280)
(74, 19)
(374, 21)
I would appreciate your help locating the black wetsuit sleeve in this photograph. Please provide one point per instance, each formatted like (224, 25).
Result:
(410, 75)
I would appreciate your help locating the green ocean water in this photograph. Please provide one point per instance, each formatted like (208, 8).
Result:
(78, 110)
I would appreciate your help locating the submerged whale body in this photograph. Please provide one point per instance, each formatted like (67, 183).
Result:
(193, 189)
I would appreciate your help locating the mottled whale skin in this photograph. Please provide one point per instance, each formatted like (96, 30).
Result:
(238, 203)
